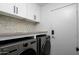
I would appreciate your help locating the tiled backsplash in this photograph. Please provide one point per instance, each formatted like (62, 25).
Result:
(12, 25)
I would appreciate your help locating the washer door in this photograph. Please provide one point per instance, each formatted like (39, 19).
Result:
(46, 48)
(28, 52)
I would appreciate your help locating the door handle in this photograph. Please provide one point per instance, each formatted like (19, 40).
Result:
(53, 37)
(77, 49)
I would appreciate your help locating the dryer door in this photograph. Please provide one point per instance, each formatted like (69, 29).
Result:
(46, 48)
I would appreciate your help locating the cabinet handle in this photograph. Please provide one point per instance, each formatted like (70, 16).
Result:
(14, 9)
(34, 17)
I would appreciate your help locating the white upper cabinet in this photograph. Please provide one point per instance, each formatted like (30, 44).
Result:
(27, 11)
(7, 8)
(33, 11)
(36, 12)
(20, 9)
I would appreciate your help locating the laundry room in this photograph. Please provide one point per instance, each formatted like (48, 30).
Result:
(39, 28)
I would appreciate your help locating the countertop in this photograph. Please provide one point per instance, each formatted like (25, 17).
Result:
(6, 36)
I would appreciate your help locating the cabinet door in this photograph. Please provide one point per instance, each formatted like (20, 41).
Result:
(7, 7)
(30, 10)
(33, 11)
(20, 9)
(37, 12)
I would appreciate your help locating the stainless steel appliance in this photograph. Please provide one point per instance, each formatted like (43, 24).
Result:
(43, 44)
(19, 46)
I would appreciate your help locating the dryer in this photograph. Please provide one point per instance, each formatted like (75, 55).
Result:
(43, 44)
(46, 49)
(28, 47)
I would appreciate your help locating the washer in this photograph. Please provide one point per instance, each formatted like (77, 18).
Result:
(19, 46)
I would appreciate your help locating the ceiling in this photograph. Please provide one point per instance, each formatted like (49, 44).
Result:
(42, 4)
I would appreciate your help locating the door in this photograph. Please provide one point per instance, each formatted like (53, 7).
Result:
(64, 21)
(78, 26)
